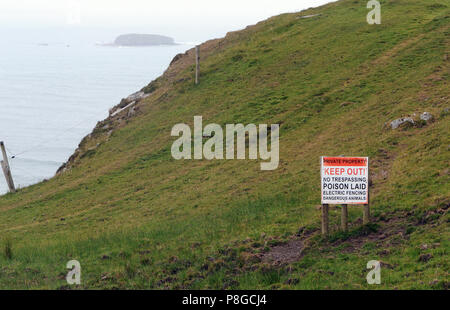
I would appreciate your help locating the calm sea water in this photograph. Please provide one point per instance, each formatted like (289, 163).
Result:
(54, 89)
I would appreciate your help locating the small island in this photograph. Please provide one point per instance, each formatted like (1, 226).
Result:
(143, 40)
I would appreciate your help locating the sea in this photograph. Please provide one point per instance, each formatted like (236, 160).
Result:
(56, 84)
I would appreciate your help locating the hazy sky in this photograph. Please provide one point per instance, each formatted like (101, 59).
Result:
(187, 18)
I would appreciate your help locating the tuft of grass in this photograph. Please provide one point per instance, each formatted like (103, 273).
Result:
(7, 249)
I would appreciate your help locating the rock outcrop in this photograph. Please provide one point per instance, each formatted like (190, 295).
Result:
(425, 116)
(402, 121)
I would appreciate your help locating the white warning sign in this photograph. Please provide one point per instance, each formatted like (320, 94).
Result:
(345, 180)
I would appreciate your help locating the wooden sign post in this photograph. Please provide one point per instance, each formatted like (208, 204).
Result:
(366, 210)
(6, 170)
(344, 181)
(366, 214)
(325, 220)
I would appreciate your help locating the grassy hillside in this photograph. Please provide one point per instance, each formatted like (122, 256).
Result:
(136, 218)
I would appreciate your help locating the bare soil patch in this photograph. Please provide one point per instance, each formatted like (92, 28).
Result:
(285, 254)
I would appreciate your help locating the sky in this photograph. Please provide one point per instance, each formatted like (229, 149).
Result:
(185, 19)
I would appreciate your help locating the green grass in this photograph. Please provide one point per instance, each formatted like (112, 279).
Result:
(136, 218)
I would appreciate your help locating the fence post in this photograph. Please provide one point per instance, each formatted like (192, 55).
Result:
(6, 169)
(197, 64)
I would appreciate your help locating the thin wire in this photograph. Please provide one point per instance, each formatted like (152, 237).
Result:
(56, 137)
(10, 153)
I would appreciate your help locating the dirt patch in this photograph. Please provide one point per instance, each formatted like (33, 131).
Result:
(285, 254)
(388, 234)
